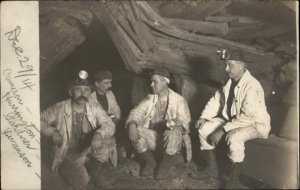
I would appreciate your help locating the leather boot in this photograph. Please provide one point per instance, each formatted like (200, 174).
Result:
(211, 170)
(165, 167)
(234, 178)
(149, 164)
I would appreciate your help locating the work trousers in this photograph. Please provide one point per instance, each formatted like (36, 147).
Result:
(73, 168)
(148, 140)
(235, 139)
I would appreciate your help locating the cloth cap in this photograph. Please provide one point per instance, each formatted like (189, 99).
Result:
(80, 80)
(232, 55)
(162, 72)
(103, 74)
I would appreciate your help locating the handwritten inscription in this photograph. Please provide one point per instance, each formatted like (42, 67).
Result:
(16, 147)
(26, 69)
(22, 133)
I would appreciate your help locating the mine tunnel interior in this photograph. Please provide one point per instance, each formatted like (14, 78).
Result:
(99, 51)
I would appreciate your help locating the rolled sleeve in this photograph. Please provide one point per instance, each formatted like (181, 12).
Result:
(138, 113)
(212, 107)
(107, 127)
(48, 120)
(115, 107)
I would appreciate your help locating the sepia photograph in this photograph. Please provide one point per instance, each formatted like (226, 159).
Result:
(191, 94)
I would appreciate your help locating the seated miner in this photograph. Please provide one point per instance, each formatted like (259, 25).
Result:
(79, 130)
(104, 95)
(161, 119)
(235, 114)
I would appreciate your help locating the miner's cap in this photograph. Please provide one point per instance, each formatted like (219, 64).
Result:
(80, 80)
(162, 72)
(102, 74)
(236, 55)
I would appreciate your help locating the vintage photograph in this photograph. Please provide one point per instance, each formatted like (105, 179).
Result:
(169, 94)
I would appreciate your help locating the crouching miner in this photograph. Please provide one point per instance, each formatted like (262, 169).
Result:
(162, 118)
(105, 96)
(236, 113)
(79, 129)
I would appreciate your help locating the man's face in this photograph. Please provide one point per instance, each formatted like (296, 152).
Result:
(103, 86)
(80, 94)
(158, 84)
(234, 69)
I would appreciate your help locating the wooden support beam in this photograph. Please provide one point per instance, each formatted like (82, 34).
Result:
(268, 11)
(175, 47)
(257, 31)
(124, 44)
(82, 14)
(59, 40)
(158, 24)
(211, 28)
(196, 11)
(240, 19)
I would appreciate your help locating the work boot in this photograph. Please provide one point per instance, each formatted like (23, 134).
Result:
(211, 170)
(149, 164)
(165, 167)
(234, 178)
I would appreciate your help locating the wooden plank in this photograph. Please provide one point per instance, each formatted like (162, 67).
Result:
(268, 11)
(59, 40)
(124, 45)
(212, 7)
(255, 31)
(82, 14)
(196, 10)
(274, 166)
(202, 27)
(240, 19)
(158, 24)
(132, 19)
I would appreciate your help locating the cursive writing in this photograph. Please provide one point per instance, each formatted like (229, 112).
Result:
(24, 130)
(26, 69)
(21, 132)
(8, 133)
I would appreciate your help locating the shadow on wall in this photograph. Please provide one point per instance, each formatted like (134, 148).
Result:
(209, 76)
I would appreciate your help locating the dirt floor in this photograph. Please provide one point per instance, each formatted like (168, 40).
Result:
(126, 176)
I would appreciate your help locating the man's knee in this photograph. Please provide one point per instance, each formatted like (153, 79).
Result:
(102, 154)
(241, 135)
(144, 144)
(209, 127)
(232, 138)
(172, 141)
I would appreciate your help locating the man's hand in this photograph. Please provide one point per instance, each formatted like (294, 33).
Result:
(96, 142)
(178, 122)
(200, 123)
(216, 136)
(113, 118)
(57, 138)
(133, 132)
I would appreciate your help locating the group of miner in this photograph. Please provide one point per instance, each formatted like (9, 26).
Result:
(83, 128)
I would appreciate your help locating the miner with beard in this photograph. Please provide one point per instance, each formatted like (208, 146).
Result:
(80, 131)
(160, 119)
